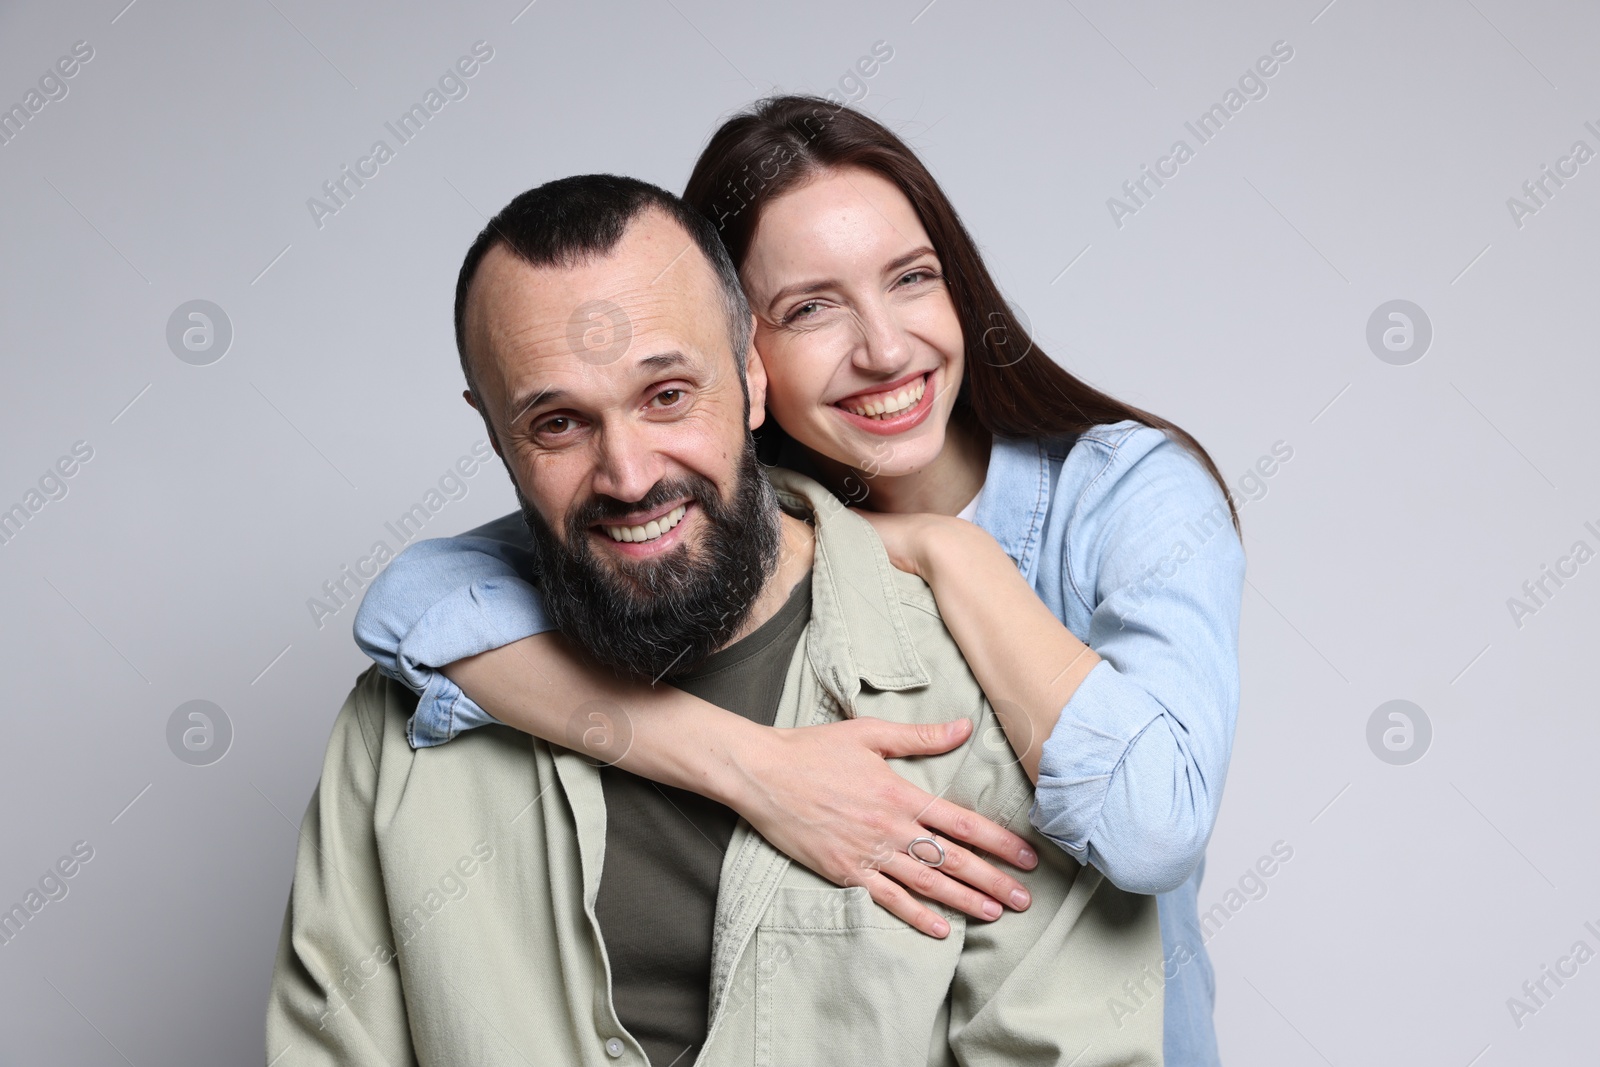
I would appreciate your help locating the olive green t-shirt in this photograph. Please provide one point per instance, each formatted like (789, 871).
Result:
(664, 847)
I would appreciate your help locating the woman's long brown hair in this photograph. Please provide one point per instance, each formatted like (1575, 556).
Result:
(1011, 388)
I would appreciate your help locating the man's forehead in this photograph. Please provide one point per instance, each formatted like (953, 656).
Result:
(654, 266)
(654, 281)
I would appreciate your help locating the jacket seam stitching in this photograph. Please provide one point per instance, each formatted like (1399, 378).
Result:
(1112, 447)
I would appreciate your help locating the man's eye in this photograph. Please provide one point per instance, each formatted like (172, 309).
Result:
(554, 427)
(669, 397)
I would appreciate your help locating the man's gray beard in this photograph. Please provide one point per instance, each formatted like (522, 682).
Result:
(656, 618)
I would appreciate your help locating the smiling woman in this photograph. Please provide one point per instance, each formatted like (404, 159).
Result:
(868, 349)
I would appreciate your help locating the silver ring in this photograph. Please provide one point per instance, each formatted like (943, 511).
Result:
(911, 850)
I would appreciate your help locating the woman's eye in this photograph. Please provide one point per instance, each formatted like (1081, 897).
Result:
(803, 311)
(921, 274)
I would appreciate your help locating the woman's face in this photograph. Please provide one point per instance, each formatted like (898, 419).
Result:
(854, 323)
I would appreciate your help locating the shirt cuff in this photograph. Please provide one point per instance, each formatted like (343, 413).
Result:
(1105, 716)
(443, 711)
(487, 614)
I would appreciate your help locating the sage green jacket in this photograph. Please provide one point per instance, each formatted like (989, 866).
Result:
(443, 903)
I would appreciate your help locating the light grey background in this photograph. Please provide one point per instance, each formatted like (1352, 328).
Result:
(219, 498)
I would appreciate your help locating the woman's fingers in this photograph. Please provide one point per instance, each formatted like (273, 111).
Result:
(935, 884)
(891, 739)
(955, 821)
(893, 898)
(826, 797)
(901, 884)
(985, 883)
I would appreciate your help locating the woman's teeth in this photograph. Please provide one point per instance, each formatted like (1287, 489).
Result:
(887, 405)
(650, 530)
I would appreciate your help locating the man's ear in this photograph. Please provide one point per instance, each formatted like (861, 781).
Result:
(494, 442)
(755, 377)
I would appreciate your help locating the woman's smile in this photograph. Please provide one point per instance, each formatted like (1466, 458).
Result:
(891, 409)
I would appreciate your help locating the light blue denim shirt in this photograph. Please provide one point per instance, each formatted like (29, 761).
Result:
(1124, 536)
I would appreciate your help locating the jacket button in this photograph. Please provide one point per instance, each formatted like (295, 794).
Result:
(614, 1048)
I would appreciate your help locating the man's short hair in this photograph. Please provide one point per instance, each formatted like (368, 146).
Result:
(565, 222)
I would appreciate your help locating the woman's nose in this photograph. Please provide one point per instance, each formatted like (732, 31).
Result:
(884, 347)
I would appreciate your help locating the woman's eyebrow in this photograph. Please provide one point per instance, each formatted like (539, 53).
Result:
(798, 289)
(803, 288)
(908, 259)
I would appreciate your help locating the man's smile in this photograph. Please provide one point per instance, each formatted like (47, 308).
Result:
(647, 533)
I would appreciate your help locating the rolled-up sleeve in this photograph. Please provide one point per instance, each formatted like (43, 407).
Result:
(1131, 778)
(443, 600)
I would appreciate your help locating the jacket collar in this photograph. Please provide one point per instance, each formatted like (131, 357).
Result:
(858, 631)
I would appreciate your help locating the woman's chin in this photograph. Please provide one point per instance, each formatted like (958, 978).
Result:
(878, 457)
(900, 458)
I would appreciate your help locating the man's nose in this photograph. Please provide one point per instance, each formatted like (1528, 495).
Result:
(627, 465)
(884, 347)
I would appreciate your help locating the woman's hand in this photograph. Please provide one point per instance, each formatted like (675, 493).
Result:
(824, 796)
(910, 538)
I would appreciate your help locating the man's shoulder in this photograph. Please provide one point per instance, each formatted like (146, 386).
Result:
(442, 789)
(375, 713)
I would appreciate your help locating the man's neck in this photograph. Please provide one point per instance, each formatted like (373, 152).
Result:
(797, 542)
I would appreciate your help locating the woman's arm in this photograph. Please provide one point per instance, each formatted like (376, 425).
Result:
(1127, 741)
(822, 795)
(455, 619)
(1027, 662)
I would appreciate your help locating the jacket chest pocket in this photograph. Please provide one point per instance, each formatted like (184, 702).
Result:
(839, 980)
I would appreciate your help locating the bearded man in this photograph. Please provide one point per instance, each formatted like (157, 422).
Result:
(503, 900)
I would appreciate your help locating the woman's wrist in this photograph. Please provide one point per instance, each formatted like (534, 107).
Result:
(657, 732)
(743, 765)
(685, 742)
(951, 545)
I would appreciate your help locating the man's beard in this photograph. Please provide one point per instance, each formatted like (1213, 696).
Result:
(663, 616)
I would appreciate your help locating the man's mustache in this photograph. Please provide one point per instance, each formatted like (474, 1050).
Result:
(600, 508)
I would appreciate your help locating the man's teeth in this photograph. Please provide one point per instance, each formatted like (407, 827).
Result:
(888, 405)
(650, 530)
